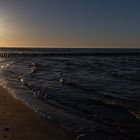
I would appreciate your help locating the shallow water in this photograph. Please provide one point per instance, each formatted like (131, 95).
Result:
(99, 98)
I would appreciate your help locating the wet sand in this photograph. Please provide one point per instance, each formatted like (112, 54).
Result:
(19, 122)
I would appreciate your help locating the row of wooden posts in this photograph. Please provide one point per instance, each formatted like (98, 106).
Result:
(53, 54)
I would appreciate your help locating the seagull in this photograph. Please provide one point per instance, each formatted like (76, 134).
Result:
(21, 79)
(61, 80)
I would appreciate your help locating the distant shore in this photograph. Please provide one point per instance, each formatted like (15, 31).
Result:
(19, 122)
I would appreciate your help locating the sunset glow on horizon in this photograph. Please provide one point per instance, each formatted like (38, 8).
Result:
(85, 23)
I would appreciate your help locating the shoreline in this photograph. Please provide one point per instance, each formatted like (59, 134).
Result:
(20, 122)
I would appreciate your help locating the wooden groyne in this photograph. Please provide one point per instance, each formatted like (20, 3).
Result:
(65, 52)
(53, 54)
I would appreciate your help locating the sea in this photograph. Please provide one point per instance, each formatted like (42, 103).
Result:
(93, 97)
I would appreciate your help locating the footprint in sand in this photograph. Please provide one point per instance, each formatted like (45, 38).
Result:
(5, 136)
(6, 129)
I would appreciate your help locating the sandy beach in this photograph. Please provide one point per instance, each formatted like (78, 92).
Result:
(19, 122)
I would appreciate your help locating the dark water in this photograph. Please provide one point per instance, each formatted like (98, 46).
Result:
(98, 99)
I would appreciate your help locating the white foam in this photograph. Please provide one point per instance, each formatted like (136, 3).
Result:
(81, 135)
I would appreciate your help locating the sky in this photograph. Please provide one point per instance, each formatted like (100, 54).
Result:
(70, 23)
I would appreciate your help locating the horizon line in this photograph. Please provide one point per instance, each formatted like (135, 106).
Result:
(62, 47)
